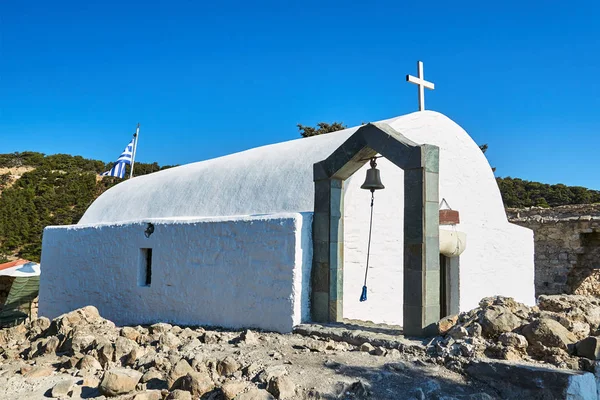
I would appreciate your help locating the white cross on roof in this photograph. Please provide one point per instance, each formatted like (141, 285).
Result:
(422, 83)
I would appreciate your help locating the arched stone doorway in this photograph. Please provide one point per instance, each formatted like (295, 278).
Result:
(421, 224)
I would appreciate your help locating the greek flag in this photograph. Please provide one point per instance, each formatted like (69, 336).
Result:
(118, 169)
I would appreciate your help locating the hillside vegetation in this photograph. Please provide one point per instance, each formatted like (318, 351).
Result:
(38, 190)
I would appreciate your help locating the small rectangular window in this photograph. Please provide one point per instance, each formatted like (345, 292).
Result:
(145, 267)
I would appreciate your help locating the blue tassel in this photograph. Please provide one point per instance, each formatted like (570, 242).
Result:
(363, 296)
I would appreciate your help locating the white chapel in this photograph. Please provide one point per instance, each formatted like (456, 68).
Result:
(277, 235)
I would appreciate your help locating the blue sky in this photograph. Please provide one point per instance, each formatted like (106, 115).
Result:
(206, 80)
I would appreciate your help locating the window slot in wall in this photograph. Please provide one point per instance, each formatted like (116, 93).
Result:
(145, 268)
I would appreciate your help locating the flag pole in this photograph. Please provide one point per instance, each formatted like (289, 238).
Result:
(136, 136)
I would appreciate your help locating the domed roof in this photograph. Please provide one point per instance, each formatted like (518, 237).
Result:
(274, 178)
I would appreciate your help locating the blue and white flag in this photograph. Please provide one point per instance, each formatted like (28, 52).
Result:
(118, 169)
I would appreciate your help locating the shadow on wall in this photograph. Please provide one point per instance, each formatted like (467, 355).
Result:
(584, 279)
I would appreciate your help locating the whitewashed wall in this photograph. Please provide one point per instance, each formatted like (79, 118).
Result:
(232, 272)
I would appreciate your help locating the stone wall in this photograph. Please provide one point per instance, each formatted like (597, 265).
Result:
(567, 247)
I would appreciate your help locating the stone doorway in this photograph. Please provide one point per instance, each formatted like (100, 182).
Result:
(584, 279)
(421, 270)
(449, 286)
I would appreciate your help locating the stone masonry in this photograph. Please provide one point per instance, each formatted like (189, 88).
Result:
(567, 247)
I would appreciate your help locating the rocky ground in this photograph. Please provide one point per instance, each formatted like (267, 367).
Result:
(82, 355)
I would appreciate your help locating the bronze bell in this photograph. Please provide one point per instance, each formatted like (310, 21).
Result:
(373, 181)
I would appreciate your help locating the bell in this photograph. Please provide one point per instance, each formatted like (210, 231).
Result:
(373, 181)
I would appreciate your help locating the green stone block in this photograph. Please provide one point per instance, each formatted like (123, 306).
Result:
(320, 307)
(432, 187)
(413, 257)
(413, 287)
(430, 156)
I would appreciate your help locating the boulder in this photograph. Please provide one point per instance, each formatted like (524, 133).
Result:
(548, 332)
(149, 395)
(89, 363)
(511, 339)
(255, 394)
(197, 383)
(180, 369)
(232, 388)
(168, 339)
(179, 395)
(211, 337)
(38, 372)
(160, 327)
(123, 347)
(282, 387)
(119, 381)
(130, 333)
(367, 347)
(62, 388)
(249, 337)
(446, 323)
(497, 320)
(227, 366)
(589, 348)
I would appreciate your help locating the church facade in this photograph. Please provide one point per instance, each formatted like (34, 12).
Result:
(275, 236)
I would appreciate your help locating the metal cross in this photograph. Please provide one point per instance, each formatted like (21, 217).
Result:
(422, 84)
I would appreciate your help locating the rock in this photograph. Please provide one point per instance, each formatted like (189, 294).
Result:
(191, 346)
(151, 374)
(161, 327)
(589, 348)
(458, 332)
(80, 342)
(227, 366)
(168, 339)
(249, 337)
(39, 326)
(88, 363)
(211, 337)
(180, 369)
(51, 345)
(62, 388)
(123, 347)
(130, 333)
(367, 347)
(255, 394)
(133, 356)
(393, 353)
(357, 390)
(497, 320)
(119, 381)
(282, 387)
(519, 381)
(232, 388)
(149, 395)
(38, 372)
(197, 383)
(251, 370)
(581, 329)
(511, 339)
(106, 354)
(548, 332)
(475, 329)
(379, 351)
(272, 372)
(446, 323)
(179, 395)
